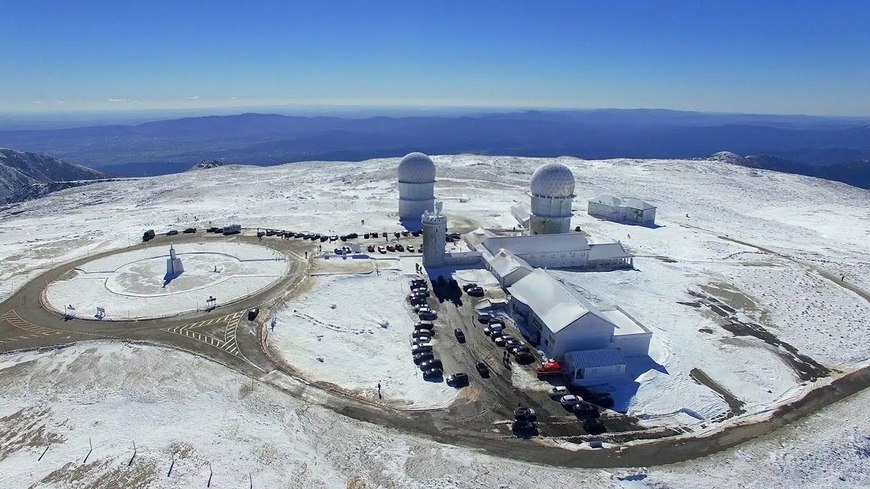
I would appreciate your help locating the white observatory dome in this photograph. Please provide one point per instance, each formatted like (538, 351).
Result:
(553, 180)
(417, 168)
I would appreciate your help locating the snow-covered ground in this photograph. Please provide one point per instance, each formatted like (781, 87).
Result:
(205, 416)
(354, 330)
(813, 225)
(135, 285)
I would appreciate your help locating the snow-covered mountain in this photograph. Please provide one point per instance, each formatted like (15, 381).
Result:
(28, 175)
(206, 164)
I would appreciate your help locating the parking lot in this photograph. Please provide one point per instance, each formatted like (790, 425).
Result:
(488, 401)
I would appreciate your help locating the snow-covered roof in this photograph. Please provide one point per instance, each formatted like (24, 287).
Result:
(594, 358)
(521, 213)
(416, 168)
(607, 200)
(504, 263)
(550, 301)
(540, 243)
(476, 237)
(552, 180)
(623, 324)
(633, 203)
(606, 251)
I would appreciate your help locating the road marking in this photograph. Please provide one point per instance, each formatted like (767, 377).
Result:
(229, 342)
(31, 330)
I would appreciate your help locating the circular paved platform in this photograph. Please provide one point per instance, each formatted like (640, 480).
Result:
(135, 284)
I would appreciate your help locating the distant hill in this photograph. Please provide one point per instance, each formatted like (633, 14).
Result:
(28, 175)
(855, 173)
(205, 165)
(171, 146)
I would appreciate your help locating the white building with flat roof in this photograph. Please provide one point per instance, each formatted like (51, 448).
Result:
(567, 250)
(627, 209)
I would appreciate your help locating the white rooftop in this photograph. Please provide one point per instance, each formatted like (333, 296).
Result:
(504, 263)
(623, 324)
(633, 203)
(551, 302)
(541, 243)
(605, 251)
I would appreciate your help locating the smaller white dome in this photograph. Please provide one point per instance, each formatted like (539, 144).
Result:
(416, 168)
(553, 180)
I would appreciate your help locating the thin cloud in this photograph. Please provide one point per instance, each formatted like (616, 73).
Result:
(194, 97)
(119, 100)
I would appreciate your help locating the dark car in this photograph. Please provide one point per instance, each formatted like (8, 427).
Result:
(211, 230)
(430, 364)
(397, 234)
(482, 369)
(584, 409)
(469, 286)
(524, 428)
(252, 313)
(366, 236)
(189, 231)
(417, 300)
(515, 350)
(421, 332)
(406, 233)
(270, 232)
(483, 318)
(323, 239)
(399, 247)
(458, 379)
(422, 357)
(260, 234)
(593, 426)
(421, 349)
(524, 358)
(148, 235)
(428, 316)
(172, 232)
(460, 336)
(525, 413)
(433, 373)
(475, 292)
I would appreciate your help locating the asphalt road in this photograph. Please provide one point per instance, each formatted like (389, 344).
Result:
(226, 336)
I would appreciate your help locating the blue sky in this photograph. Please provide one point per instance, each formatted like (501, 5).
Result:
(792, 57)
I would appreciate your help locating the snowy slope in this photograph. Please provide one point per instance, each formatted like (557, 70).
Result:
(203, 415)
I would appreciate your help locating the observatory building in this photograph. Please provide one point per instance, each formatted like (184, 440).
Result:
(552, 193)
(416, 175)
(627, 209)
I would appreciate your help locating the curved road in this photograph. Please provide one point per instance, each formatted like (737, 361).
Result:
(224, 335)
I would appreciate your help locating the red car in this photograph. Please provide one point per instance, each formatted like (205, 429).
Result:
(391, 248)
(371, 248)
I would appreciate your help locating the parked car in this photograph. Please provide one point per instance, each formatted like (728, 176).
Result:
(468, 286)
(391, 248)
(406, 233)
(382, 249)
(421, 348)
(366, 236)
(585, 410)
(271, 232)
(422, 332)
(433, 373)
(594, 426)
(418, 308)
(525, 413)
(476, 292)
(334, 237)
(494, 331)
(419, 282)
(460, 336)
(424, 325)
(510, 343)
(397, 234)
(371, 248)
(428, 315)
(416, 233)
(496, 321)
(421, 340)
(172, 232)
(501, 340)
(568, 401)
(524, 357)
(482, 369)
(523, 428)
(189, 231)
(422, 357)
(252, 313)
(458, 379)
(338, 251)
(410, 248)
(399, 247)
(517, 349)
(323, 239)
(558, 392)
(417, 300)
(148, 235)
(430, 364)
(483, 318)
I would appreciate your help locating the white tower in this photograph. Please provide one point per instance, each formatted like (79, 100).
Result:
(174, 267)
(416, 174)
(552, 191)
(434, 236)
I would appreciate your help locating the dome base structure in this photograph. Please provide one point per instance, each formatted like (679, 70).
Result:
(416, 180)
